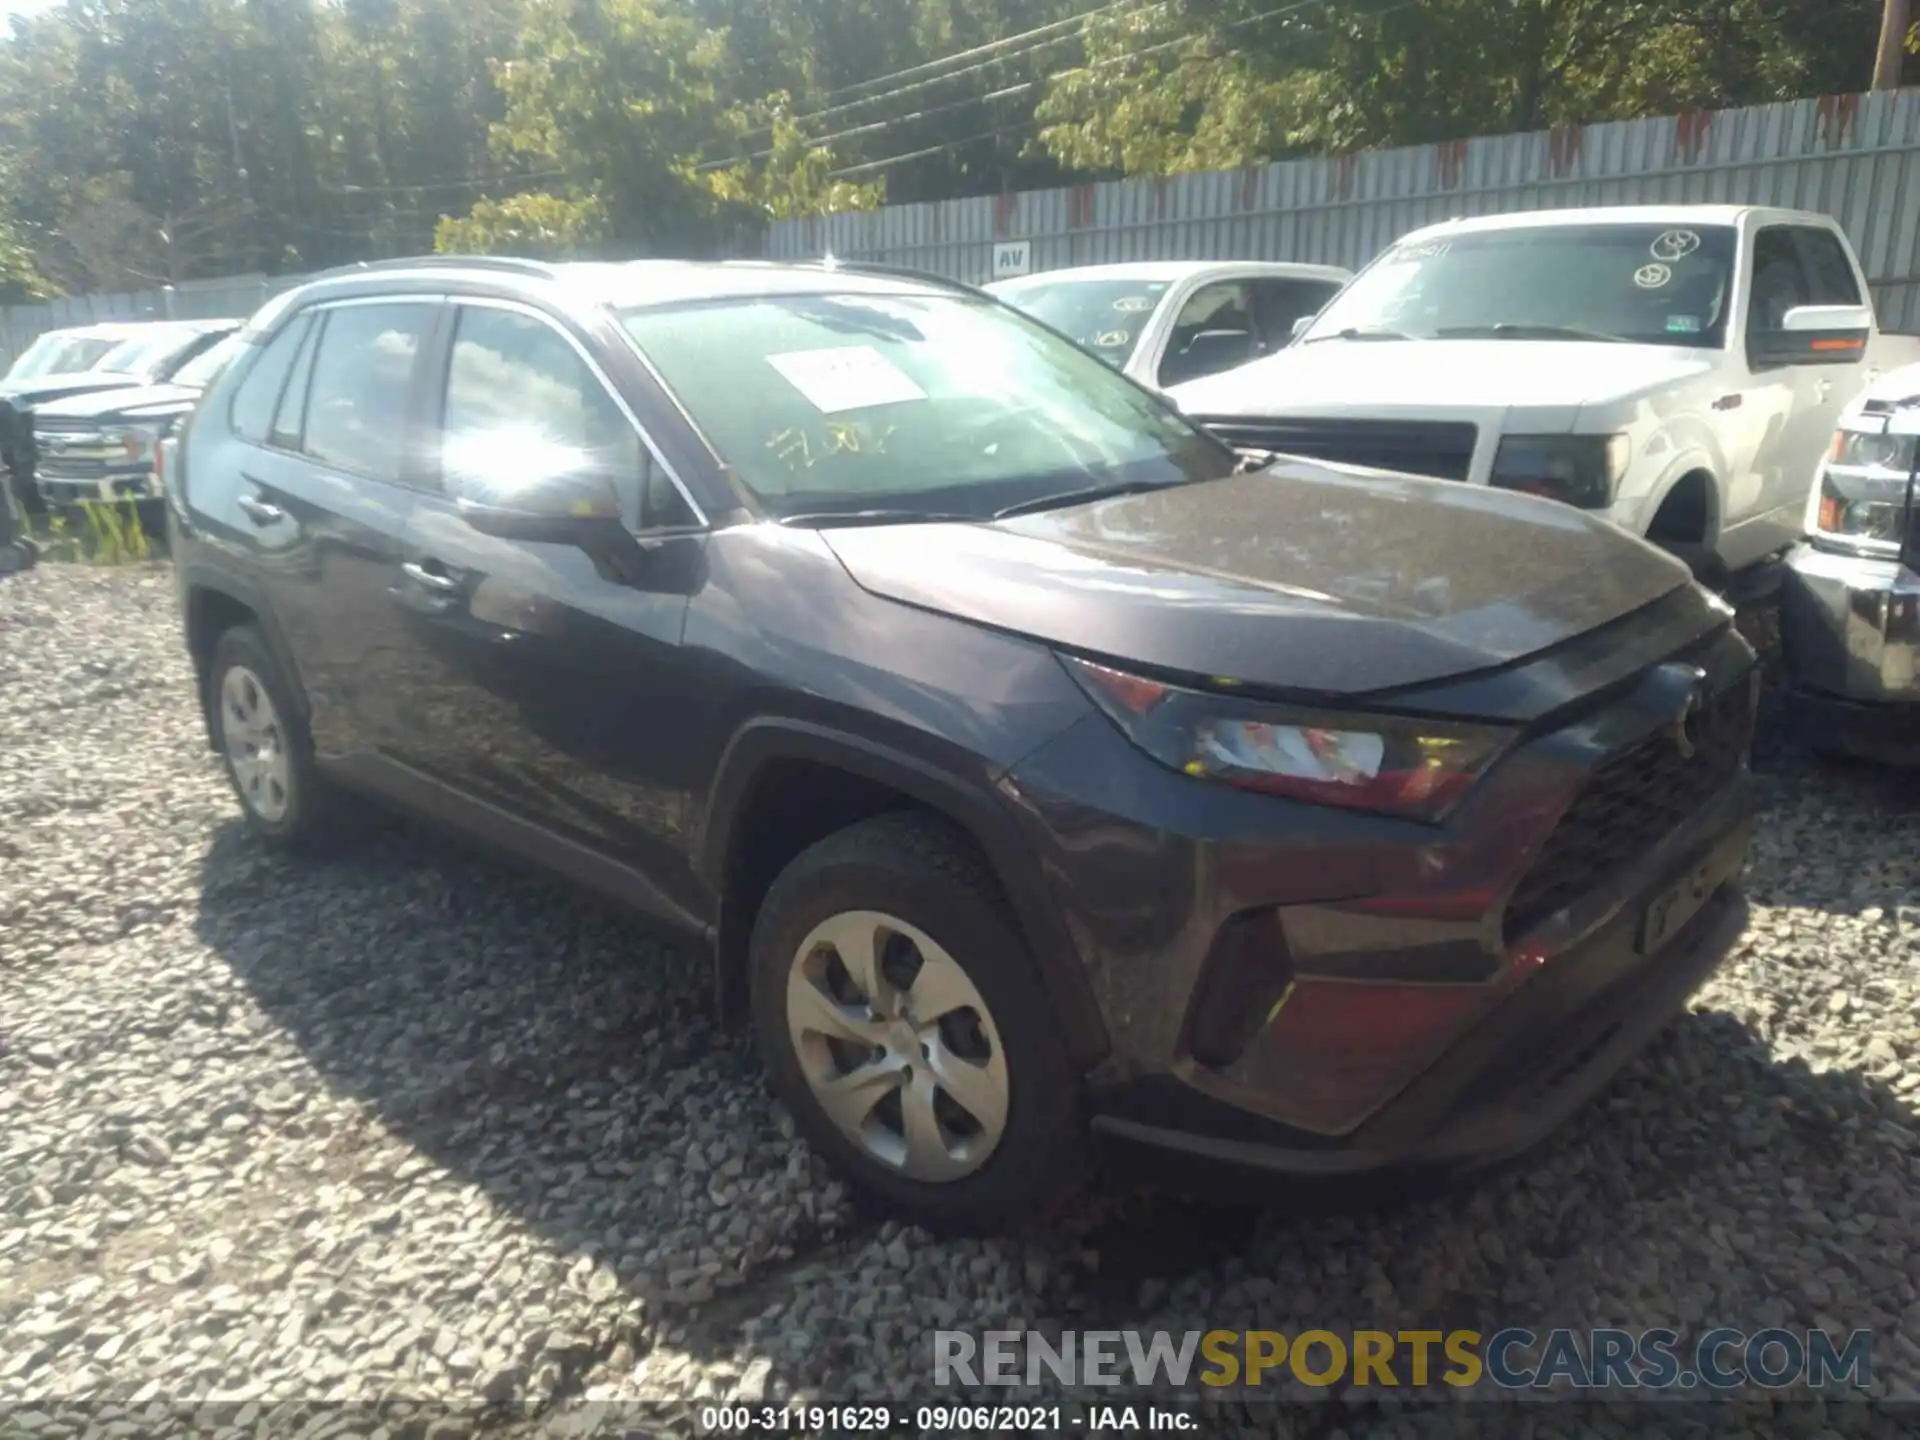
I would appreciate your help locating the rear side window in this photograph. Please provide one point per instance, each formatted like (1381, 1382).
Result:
(1828, 269)
(258, 395)
(357, 395)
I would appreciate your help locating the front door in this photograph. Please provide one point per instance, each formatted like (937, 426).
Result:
(542, 686)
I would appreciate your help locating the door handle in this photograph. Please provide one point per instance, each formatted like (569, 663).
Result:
(259, 511)
(429, 579)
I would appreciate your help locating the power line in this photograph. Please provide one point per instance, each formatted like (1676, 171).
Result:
(1078, 24)
(870, 166)
(1074, 22)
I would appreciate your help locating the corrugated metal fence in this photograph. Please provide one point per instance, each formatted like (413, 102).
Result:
(232, 298)
(1855, 157)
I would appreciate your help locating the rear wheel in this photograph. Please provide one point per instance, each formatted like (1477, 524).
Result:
(265, 748)
(900, 1018)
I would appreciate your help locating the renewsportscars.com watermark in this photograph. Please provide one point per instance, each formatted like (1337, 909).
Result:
(1509, 1359)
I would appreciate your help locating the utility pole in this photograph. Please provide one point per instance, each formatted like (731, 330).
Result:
(1893, 44)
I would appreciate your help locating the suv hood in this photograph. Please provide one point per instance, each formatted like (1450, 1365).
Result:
(1382, 376)
(43, 388)
(137, 402)
(1299, 577)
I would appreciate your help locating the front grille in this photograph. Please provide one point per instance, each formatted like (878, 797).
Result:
(1442, 449)
(70, 450)
(1631, 802)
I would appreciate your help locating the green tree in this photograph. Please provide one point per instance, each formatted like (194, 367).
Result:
(536, 224)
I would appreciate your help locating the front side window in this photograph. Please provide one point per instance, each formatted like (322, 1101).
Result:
(361, 381)
(521, 403)
(914, 403)
(1829, 272)
(1650, 284)
(1106, 316)
(1213, 332)
(1779, 282)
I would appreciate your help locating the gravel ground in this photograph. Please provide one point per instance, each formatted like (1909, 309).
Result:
(407, 1126)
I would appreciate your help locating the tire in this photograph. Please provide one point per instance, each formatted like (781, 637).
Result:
(915, 873)
(285, 800)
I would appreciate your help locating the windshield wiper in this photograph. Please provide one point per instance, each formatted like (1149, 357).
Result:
(828, 519)
(1084, 495)
(1354, 332)
(1506, 331)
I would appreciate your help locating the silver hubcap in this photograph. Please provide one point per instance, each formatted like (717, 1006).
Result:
(255, 742)
(897, 1045)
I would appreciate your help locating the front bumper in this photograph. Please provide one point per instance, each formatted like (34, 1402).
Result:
(1850, 639)
(1504, 1088)
(1397, 994)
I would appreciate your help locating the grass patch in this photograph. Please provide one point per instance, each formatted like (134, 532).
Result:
(99, 532)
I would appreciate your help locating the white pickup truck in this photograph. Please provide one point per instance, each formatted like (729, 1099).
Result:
(1679, 367)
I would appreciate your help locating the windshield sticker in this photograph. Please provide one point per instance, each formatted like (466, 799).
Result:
(1430, 250)
(1674, 245)
(1652, 277)
(846, 377)
(1113, 339)
(1134, 304)
(1683, 324)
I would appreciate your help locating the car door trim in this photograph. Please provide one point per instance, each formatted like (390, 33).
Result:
(534, 312)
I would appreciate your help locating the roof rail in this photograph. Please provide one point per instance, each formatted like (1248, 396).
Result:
(898, 272)
(512, 264)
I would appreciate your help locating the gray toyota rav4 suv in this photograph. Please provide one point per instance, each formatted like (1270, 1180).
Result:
(1035, 769)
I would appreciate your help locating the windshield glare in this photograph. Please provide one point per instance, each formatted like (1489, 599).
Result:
(204, 368)
(1105, 316)
(145, 355)
(833, 403)
(1651, 284)
(56, 354)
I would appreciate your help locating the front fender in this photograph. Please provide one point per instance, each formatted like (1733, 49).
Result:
(969, 801)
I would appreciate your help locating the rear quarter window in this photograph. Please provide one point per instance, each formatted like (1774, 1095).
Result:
(257, 396)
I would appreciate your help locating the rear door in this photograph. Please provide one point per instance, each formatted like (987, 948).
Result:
(328, 425)
(539, 685)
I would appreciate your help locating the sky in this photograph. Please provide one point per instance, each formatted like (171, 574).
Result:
(11, 8)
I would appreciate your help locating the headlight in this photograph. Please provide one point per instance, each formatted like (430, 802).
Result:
(1578, 470)
(1863, 486)
(1871, 450)
(1414, 768)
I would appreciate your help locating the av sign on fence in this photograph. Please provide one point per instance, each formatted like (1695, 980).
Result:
(1012, 257)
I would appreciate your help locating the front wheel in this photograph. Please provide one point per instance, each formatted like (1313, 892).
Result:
(901, 1020)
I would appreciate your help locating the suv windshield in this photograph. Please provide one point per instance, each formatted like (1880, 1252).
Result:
(149, 355)
(913, 403)
(205, 368)
(1650, 284)
(58, 354)
(1106, 316)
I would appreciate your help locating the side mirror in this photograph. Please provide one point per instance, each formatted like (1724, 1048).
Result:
(1301, 326)
(567, 508)
(1813, 335)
